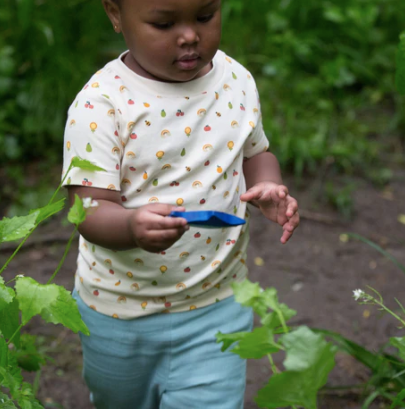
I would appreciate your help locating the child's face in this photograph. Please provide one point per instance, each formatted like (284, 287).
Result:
(169, 40)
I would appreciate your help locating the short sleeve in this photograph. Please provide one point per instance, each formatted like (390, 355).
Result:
(92, 132)
(257, 141)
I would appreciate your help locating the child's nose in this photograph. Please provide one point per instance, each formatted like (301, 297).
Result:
(188, 36)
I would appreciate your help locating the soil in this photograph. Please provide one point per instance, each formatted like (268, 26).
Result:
(315, 274)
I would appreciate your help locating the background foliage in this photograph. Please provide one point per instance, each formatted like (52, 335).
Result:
(325, 70)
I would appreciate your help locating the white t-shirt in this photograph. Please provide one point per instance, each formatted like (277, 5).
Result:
(176, 143)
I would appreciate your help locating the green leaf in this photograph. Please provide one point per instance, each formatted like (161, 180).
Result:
(257, 344)
(10, 321)
(399, 400)
(400, 74)
(28, 356)
(6, 402)
(77, 214)
(229, 339)
(49, 210)
(249, 295)
(17, 227)
(85, 165)
(309, 360)
(52, 302)
(7, 294)
(3, 352)
(399, 343)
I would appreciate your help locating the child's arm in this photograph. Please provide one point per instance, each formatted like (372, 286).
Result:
(114, 227)
(264, 189)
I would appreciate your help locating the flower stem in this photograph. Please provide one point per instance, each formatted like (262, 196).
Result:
(64, 255)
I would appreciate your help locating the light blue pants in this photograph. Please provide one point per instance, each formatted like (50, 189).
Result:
(165, 361)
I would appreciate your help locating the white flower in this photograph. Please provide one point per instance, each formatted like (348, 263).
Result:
(19, 276)
(87, 203)
(358, 294)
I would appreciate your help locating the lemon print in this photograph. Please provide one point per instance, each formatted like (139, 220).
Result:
(197, 184)
(188, 131)
(234, 76)
(167, 166)
(115, 315)
(163, 113)
(130, 155)
(95, 85)
(88, 148)
(111, 187)
(144, 304)
(209, 240)
(179, 202)
(225, 176)
(165, 133)
(160, 154)
(68, 145)
(146, 105)
(208, 147)
(184, 255)
(116, 149)
(193, 307)
(129, 274)
(230, 105)
(252, 124)
(153, 200)
(234, 124)
(219, 169)
(206, 285)
(228, 59)
(72, 123)
(183, 152)
(163, 269)
(125, 182)
(230, 145)
(111, 112)
(138, 261)
(93, 126)
(201, 112)
(155, 182)
(180, 286)
(216, 95)
(135, 287)
(145, 175)
(122, 299)
(215, 263)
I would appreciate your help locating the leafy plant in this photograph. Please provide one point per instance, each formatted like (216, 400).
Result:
(308, 357)
(50, 301)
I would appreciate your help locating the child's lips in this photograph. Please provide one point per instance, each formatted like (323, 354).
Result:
(188, 62)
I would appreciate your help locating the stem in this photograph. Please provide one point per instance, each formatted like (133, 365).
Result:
(60, 184)
(36, 382)
(64, 255)
(272, 364)
(15, 333)
(282, 320)
(388, 310)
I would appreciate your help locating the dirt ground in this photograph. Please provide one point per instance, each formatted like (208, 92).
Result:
(315, 274)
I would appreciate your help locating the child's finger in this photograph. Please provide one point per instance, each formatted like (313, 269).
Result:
(292, 207)
(251, 194)
(286, 236)
(282, 191)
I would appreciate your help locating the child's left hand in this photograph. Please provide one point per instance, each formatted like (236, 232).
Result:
(276, 205)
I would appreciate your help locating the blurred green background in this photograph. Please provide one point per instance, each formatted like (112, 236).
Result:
(325, 71)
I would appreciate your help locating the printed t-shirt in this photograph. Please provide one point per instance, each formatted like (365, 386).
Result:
(176, 143)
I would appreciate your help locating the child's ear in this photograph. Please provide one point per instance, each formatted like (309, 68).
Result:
(113, 12)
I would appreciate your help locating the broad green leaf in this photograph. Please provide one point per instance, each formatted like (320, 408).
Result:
(10, 321)
(3, 352)
(49, 210)
(399, 343)
(399, 400)
(6, 402)
(273, 320)
(28, 356)
(400, 74)
(309, 360)
(7, 294)
(249, 295)
(17, 227)
(77, 214)
(257, 344)
(85, 164)
(229, 339)
(52, 302)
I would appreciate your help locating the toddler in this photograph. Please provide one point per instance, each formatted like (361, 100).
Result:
(176, 124)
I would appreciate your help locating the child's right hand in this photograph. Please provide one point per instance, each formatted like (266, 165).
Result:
(152, 230)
